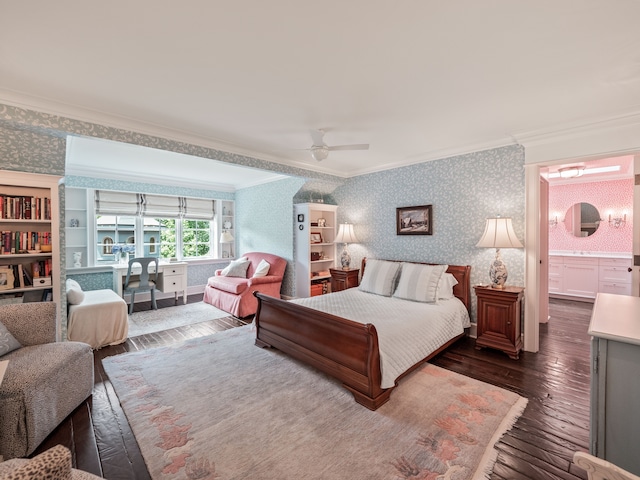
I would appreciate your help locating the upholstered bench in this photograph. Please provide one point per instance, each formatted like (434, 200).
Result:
(96, 317)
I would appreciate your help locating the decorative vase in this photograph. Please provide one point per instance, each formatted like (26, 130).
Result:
(498, 271)
(345, 258)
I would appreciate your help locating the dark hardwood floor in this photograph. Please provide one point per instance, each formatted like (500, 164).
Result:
(540, 445)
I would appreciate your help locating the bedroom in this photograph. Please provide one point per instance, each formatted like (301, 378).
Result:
(465, 185)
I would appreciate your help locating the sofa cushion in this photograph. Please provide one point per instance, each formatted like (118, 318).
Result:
(235, 285)
(52, 464)
(262, 269)
(237, 268)
(8, 342)
(75, 295)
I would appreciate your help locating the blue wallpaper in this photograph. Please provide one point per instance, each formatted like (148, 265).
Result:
(264, 216)
(464, 190)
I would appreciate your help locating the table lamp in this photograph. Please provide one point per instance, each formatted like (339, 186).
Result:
(498, 233)
(346, 235)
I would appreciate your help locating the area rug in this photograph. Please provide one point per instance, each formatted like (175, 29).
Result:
(150, 321)
(219, 407)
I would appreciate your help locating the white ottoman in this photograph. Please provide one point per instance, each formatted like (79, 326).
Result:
(100, 319)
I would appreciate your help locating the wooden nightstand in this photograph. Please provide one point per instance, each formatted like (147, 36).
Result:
(499, 319)
(343, 279)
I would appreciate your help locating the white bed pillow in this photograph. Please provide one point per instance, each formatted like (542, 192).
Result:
(380, 277)
(445, 286)
(419, 282)
(262, 269)
(75, 295)
(237, 268)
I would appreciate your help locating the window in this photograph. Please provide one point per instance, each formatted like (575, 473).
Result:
(111, 230)
(196, 238)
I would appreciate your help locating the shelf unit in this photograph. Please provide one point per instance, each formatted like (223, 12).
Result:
(76, 227)
(227, 224)
(315, 247)
(25, 255)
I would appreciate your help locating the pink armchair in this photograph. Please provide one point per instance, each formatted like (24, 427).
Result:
(235, 294)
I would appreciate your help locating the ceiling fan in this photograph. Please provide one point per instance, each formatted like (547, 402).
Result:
(320, 150)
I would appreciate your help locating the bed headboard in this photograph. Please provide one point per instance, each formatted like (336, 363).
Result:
(462, 273)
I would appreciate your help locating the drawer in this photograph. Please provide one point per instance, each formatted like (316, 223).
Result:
(556, 260)
(617, 288)
(615, 274)
(172, 283)
(174, 270)
(616, 262)
(581, 261)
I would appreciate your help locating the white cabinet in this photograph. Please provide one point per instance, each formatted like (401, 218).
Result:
(584, 277)
(615, 384)
(315, 232)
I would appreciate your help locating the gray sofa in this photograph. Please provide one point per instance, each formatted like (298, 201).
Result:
(45, 380)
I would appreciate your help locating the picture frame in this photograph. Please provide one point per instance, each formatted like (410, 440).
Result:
(416, 220)
(315, 237)
(6, 279)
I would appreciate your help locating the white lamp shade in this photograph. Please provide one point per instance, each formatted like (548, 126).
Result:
(498, 233)
(226, 237)
(346, 234)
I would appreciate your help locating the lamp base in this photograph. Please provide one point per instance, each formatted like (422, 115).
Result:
(498, 272)
(345, 258)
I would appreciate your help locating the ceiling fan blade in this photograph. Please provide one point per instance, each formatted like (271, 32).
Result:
(317, 136)
(358, 146)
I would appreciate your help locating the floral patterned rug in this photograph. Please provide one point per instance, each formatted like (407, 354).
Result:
(219, 407)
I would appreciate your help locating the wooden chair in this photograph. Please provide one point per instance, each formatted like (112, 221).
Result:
(145, 282)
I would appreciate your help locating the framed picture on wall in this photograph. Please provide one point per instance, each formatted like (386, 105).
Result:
(414, 220)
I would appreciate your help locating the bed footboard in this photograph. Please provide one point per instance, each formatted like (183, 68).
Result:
(346, 350)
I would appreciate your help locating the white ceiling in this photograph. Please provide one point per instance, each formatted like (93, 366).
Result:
(416, 79)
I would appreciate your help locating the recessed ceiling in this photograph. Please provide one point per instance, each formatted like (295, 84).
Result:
(415, 80)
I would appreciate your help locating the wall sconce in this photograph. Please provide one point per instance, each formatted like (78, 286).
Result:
(553, 221)
(617, 222)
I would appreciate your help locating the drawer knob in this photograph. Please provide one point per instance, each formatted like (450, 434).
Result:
(508, 322)
(629, 269)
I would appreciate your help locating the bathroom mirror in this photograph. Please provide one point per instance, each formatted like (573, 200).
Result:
(582, 219)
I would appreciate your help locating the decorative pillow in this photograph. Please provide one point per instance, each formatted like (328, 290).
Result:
(263, 269)
(237, 268)
(445, 286)
(380, 277)
(52, 464)
(8, 342)
(75, 295)
(419, 282)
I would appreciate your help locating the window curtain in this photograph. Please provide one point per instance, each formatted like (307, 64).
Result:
(117, 203)
(157, 206)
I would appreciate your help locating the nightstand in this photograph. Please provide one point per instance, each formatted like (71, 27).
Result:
(499, 319)
(343, 279)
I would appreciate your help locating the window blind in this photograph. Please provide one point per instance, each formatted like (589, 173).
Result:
(157, 206)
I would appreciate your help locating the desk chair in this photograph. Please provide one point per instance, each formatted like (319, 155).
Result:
(144, 283)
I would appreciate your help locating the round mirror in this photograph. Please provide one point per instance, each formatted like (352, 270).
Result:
(582, 219)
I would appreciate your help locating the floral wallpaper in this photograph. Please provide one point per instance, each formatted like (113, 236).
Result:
(614, 196)
(464, 190)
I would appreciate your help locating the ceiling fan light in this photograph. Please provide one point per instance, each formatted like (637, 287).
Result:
(319, 153)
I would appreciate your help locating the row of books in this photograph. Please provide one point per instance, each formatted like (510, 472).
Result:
(20, 242)
(19, 207)
(23, 275)
(45, 295)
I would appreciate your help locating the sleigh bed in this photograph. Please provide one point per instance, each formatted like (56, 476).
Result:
(349, 349)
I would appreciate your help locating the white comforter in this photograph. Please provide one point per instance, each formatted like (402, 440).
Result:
(407, 331)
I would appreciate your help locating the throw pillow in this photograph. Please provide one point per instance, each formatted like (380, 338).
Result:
(445, 287)
(52, 464)
(8, 342)
(75, 295)
(419, 282)
(237, 268)
(263, 269)
(380, 277)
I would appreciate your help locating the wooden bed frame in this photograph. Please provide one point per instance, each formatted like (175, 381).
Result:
(342, 348)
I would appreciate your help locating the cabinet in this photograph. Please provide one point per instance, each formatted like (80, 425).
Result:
(227, 225)
(615, 384)
(30, 241)
(315, 232)
(584, 277)
(343, 279)
(499, 314)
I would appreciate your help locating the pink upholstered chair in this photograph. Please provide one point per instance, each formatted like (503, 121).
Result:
(235, 294)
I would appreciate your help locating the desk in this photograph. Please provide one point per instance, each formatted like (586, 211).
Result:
(172, 277)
